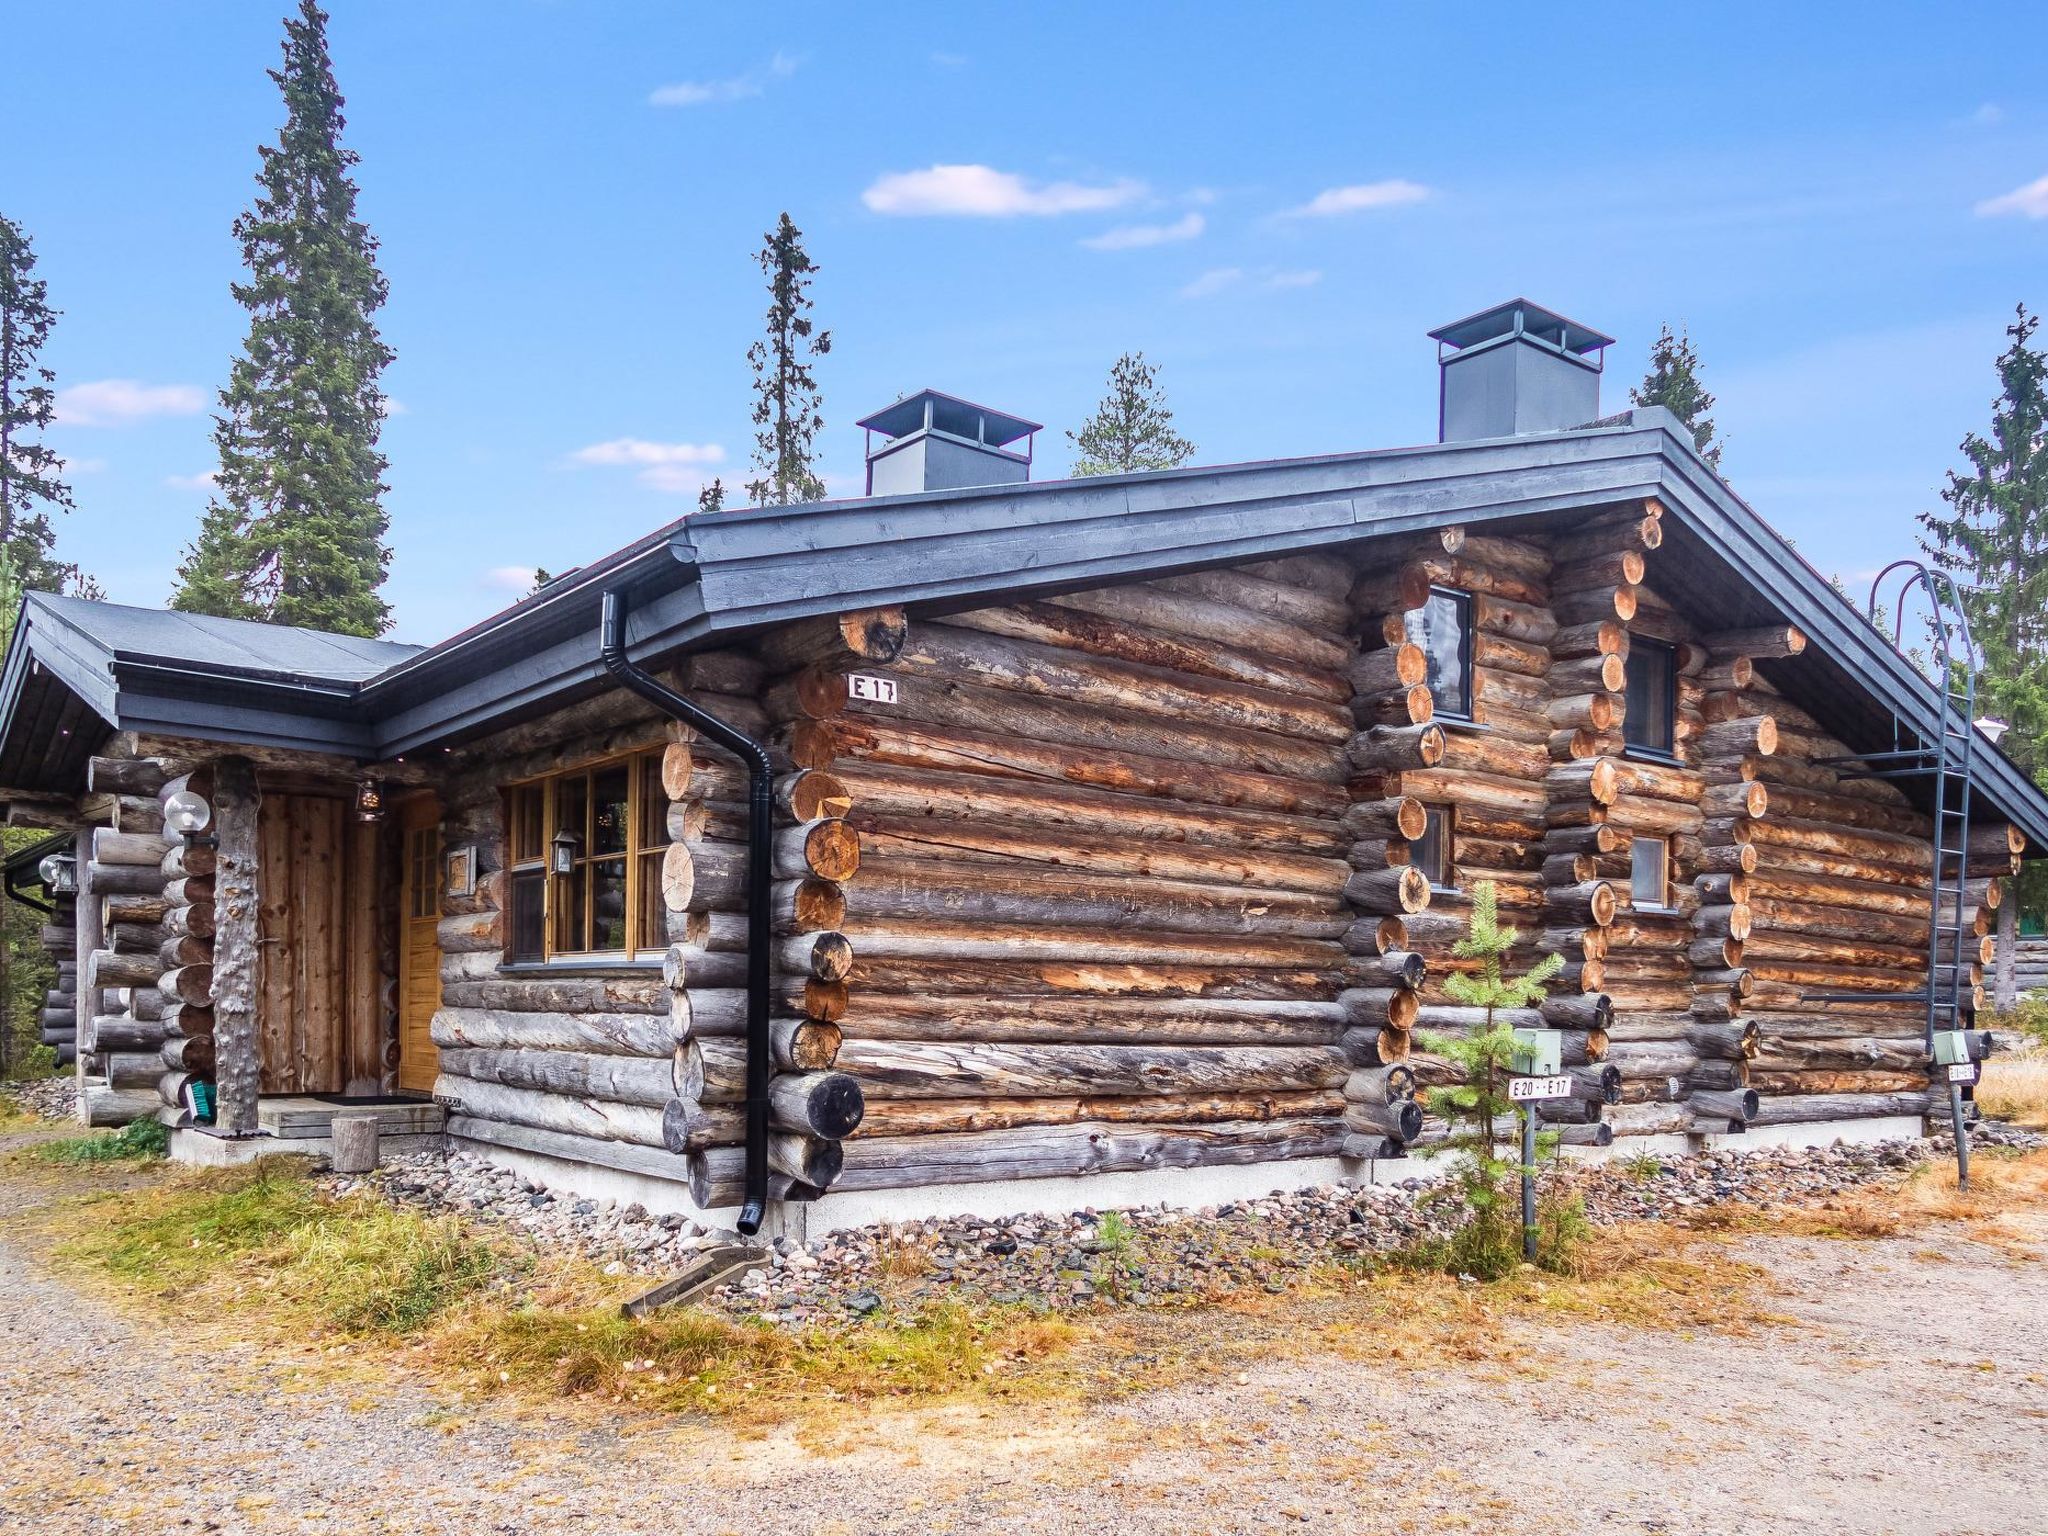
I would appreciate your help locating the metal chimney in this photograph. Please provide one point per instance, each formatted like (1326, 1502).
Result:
(935, 442)
(1517, 368)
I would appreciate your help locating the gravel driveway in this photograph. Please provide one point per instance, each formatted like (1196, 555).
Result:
(1910, 1396)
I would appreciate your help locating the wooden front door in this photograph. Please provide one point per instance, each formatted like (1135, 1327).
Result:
(419, 950)
(316, 951)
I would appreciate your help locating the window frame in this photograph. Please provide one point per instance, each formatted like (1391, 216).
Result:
(1445, 817)
(1468, 632)
(526, 864)
(1640, 645)
(1664, 903)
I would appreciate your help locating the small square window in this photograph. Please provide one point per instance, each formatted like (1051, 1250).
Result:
(1650, 872)
(1431, 852)
(1442, 627)
(1652, 695)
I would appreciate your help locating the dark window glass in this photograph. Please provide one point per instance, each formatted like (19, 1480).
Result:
(1652, 682)
(1650, 872)
(1432, 851)
(529, 921)
(1443, 628)
(608, 811)
(607, 903)
(526, 819)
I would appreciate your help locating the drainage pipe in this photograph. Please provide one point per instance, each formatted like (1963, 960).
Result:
(760, 836)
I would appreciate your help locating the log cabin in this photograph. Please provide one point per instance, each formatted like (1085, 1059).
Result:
(983, 844)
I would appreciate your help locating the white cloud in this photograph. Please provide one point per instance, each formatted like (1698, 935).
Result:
(391, 407)
(84, 466)
(1212, 282)
(205, 480)
(2030, 201)
(510, 578)
(1395, 193)
(982, 192)
(1989, 115)
(1220, 279)
(1132, 237)
(110, 402)
(699, 93)
(677, 468)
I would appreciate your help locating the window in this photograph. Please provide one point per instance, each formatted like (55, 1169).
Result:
(1650, 871)
(1652, 695)
(1443, 628)
(1431, 852)
(610, 825)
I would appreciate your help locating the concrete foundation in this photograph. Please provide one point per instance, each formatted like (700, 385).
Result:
(1176, 1188)
(205, 1149)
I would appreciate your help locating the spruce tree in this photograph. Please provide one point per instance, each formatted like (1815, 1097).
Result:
(787, 415)
(1994, 541)
(1674, 383)
(31, 474)
(1132, 428)
(712, 497)
(295, 533)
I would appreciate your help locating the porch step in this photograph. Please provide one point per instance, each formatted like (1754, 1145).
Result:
(306, 1116)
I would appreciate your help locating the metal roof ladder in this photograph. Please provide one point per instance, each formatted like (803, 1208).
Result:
(1945, 764)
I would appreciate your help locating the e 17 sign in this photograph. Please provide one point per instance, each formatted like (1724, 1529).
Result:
(877, 690)
(1521, 1089)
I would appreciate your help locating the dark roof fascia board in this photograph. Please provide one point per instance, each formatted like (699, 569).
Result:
(758, 570)
(42, 638)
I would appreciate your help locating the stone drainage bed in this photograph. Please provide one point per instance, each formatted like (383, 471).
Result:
(1145, 1257)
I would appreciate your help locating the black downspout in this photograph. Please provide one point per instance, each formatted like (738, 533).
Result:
(760, 872)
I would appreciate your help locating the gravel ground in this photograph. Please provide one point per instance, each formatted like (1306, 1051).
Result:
(1905, 1395)
(53, 1098)
(1147, 1257)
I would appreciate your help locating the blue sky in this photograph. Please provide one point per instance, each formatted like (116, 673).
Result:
(1274, 204)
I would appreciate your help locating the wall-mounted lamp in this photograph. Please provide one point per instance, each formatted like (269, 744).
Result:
(59, 874)
(565, 847)
(369, 800)
(1992, 729)
(189, 816)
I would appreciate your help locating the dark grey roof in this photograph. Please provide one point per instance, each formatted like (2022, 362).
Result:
(715, 576)
(79, 668)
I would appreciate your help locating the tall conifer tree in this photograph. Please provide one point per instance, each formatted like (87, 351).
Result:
(295, 532)
(787, 405)
(1132, 428)
(1674, 383)
(31, 474)
(1994, 541)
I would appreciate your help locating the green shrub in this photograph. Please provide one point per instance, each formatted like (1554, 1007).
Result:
(35, 1063)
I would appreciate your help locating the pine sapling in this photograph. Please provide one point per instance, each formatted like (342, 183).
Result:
(1489, 1243)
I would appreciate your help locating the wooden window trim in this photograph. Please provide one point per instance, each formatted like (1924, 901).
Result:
(1668, 752)
(640, 889)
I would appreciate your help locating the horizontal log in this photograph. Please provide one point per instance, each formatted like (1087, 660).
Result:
(188, 983)
(123, 879)
(892, 1069)
(1105, 1020)
(614, 1079)
(872, 635)
(108, 968)
(103, 1105)
(595, 1119)
(1089, 1147)
(1771, 642)
(125, 775)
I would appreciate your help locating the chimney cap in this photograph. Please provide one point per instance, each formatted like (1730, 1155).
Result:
(1531, 322)
(933, 409)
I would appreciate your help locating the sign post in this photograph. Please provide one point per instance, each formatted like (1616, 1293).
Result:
(1958, 1071)
(1539, 1058)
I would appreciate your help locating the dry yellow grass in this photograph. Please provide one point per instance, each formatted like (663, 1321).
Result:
(2015, 1088)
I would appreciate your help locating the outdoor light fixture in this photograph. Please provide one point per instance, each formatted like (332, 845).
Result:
(59, 874)
(189, 816)
(369, 800)
(564, 846)
(1992, 729)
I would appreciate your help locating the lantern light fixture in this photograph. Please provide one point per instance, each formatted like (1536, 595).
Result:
(59, 874)
(187, 814)
(565, 846)
(369, 800)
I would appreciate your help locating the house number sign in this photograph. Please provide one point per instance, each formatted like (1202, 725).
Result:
(877, 690)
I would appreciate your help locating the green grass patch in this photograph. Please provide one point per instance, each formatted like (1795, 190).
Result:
(137, 1139)
(354, 1265)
